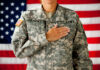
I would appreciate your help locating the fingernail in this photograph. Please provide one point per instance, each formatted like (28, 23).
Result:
(66, 27)
(66, 33)
(68, 30)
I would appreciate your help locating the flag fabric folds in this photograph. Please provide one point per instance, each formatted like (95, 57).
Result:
(10, 11)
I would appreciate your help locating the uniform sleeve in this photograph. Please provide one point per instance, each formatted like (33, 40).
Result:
(22, 45)
(81, 60)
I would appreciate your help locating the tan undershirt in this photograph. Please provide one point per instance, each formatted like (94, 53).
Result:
(49, 14)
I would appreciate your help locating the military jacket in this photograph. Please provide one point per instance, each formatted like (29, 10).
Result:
(67, 53)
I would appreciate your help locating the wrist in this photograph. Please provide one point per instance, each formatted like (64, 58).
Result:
(47, 37)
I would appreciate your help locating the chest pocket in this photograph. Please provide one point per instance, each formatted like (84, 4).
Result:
(68, 24)
(68, 38)
(35, 26)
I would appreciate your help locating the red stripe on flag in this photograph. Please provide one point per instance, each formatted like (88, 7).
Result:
(94, 54)
(78, 1)
(85, 14)
(94, 40)
(67, 1)
(24, 66)
(96, 66)
(13, 66)
(6, 53)
(91, 26)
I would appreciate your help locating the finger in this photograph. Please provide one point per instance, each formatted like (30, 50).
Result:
(63, 30)
(63, 34)
(63, 27)
(55, 26)
(68, 29)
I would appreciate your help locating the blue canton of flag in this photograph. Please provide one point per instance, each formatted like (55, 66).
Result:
(10, 11)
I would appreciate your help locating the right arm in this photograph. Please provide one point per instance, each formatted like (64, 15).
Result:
(22, 45)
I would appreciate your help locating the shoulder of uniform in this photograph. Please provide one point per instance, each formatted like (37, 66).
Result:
(69, 13)
(28, 13)
(21, 19)
(67, 10)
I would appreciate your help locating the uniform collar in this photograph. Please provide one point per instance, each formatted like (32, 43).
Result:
(58, 15)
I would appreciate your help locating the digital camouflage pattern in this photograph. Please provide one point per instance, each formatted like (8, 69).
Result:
(67, 53)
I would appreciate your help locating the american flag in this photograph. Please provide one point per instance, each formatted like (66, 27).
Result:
(10, 10)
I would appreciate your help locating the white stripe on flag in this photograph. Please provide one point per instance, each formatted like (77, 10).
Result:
(13, 60)
(24, 60)
(94, 47)
(5, 47)
(76, 7)
(92, 33)
(95, 60)
(94, 20)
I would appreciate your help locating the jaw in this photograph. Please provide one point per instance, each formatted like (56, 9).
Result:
(48, 2)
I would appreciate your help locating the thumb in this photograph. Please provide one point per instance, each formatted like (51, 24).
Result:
(55, 26)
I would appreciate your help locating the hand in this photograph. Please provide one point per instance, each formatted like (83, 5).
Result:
(56, 33)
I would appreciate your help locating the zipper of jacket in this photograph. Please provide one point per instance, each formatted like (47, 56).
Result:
(45, 26)
(45, 58)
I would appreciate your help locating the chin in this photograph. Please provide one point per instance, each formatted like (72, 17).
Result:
(49, 2)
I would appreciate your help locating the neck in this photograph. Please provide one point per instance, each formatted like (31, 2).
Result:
(49, 7)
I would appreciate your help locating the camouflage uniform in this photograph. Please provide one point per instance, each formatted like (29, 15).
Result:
(67, 53)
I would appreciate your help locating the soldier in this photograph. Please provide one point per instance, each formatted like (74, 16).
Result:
(51, 38)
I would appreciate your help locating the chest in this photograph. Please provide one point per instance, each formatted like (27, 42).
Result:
(41, 26)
